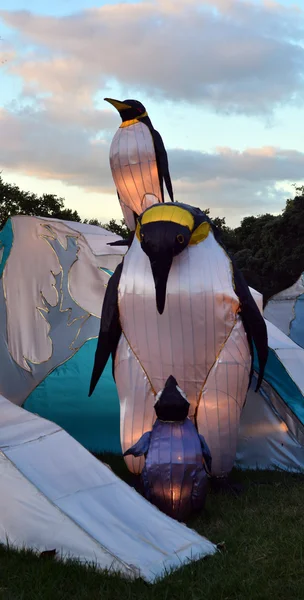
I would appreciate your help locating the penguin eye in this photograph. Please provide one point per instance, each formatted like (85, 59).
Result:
(180, 238)
(141, 237)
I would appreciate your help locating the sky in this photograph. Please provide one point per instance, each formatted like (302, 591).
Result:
(222, 81)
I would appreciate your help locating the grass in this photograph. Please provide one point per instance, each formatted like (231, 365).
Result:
(263, 531)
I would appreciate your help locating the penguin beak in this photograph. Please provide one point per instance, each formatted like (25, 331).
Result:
(160, 271)
(161, 240)
(117, 104)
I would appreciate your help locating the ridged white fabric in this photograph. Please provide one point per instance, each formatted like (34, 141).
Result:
(56, 495)
(222, 400)
(289, 353)
(134, 170)
(271, 435)
(280, 309)
(265, 441)
(185, 341)
(137, 415)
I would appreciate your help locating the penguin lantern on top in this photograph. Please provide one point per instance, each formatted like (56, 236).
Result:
(178, 460)
(178, 305)
(138, 160)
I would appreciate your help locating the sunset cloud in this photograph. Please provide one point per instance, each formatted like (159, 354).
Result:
(37, 145)
(227, 57)
(233, 56)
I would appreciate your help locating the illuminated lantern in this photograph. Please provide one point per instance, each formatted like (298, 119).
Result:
(138, 160)
(177, 458)
(178, 305)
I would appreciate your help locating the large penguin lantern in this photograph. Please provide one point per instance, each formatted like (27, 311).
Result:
(138, 160)
(178, 305)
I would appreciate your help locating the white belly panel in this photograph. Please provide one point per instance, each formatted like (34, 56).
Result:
(200, 312)
(134, 167)
(136, 398)
(222, 400)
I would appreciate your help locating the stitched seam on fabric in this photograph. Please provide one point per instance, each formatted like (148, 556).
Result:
(138, 360)
(215, 360)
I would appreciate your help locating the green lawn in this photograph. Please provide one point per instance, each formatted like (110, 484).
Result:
(263, 531)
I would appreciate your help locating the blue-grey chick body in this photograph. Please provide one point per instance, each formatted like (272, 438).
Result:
(174, 476)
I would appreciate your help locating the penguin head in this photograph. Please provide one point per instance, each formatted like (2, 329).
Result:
(171, 402)
(164, 231)
(128, 109)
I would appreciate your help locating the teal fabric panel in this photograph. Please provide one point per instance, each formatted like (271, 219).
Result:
(6, 242)
(277, 376)
(63, 398)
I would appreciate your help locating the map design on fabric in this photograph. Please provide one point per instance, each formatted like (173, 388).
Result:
(69, 325)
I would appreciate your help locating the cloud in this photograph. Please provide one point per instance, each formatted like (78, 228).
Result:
(235, 56)
(37, 144)
(229, 181)
(253, 164)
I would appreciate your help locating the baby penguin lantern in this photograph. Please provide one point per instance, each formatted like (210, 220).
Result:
(177, 458)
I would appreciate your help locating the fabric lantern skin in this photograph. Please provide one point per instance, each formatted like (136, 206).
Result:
(138, 161)
(175, 476)
(178, 304)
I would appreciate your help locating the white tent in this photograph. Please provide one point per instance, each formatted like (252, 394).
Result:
(272, 423)
(56, 495)
(53, 277)
(286, 311)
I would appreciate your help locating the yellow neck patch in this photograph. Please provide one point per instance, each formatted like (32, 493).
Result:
(128, 123)
(200, 234)
(137, 231)
(166, 212)
(132, 121)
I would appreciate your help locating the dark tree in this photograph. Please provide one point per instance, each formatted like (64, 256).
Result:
(120, 229)
(14, 201)
(270, 249)
(93, 222)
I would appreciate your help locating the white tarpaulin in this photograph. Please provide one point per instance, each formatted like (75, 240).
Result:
(286, 311)
(265, 440)
(272, 424)
(53, 278)
(56, 495)
(52, 283)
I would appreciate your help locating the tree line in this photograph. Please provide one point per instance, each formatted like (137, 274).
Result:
(268, 249)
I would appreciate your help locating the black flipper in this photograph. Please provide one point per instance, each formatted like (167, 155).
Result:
(141, 447)
(206, 452)
(110, 329)
(161, 159)
(162, 163)
(253, 321)
(124, 242)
